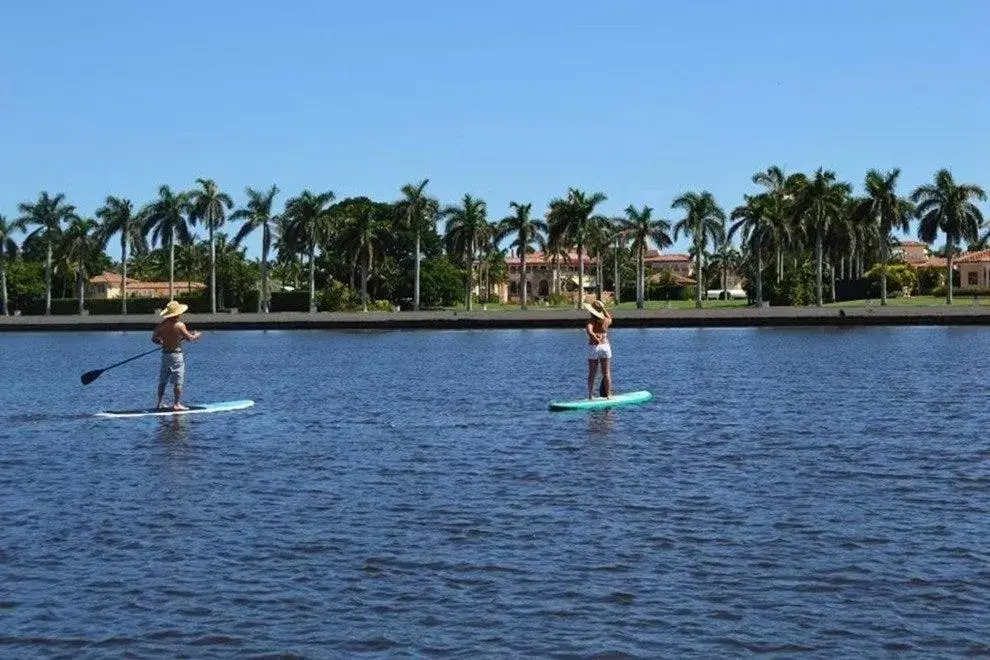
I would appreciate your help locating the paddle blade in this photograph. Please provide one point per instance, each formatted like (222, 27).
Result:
(90, 376)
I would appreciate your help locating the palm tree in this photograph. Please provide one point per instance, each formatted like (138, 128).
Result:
(7, 246)
(418, 211)
(210, 206)
(167, 221)
(309, 221)
(640, 227)
(945, 206)
(755, 224)
(887, 212)
(118, 217)
(364, 230)
(47, 215)
(529, 232)
(79, 243)
(467, 225)
(820, 203)
(257, 214)
(555, 253)
(569, 219)
(703, 221)
(782, 189)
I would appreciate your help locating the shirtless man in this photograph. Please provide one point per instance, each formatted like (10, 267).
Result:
(170, 333)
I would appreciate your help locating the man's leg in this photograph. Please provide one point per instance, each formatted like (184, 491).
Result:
(179, 377)
(163, 374)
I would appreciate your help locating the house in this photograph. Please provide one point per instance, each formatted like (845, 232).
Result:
(912, 252)
(106, 286)
(974, 270)
(544, 277)
(679, 265)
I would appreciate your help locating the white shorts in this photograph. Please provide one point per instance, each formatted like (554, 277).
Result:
(599, 352)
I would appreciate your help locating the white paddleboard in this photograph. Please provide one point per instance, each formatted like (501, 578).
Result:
(225, 406)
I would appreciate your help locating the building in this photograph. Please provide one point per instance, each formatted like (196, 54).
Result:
(680, 265)
(544, 278)
(974, 270)
(912, 252)
(106, 286)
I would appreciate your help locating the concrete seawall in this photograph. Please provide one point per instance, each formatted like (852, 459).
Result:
(537, 318)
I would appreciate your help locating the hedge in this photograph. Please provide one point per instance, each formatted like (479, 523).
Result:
(198, 304)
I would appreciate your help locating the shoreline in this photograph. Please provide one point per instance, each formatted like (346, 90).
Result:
(537, 318)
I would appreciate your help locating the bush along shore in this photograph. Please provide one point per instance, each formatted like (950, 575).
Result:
(797, 239)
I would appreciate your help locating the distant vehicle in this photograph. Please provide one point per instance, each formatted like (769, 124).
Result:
(730, 294)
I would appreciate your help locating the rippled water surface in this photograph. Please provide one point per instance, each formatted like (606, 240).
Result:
(805, 491)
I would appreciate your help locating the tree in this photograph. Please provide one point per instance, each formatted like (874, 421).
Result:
(785, 233)
(79, 244)
(529, 233)
(641, 229)
(945, 206)
(363, 228)
(821, 202)
(882, 208)
(466, 227)
(569, 219)
(703, 222)
(309, 222)
(418, 211)
(210, 206)
(118, 217)
(166, 220)
(257, 214)
(47, 216)
(7, 246)
(755, 223)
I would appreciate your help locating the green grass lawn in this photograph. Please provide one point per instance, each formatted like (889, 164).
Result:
(915, 301)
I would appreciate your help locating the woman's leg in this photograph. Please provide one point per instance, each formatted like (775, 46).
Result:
(592, 372)
(607, 376)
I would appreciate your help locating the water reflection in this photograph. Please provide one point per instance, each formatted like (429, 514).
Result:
(601, 423)
(172, 429)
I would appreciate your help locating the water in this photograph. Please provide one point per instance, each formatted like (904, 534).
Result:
(801, 491)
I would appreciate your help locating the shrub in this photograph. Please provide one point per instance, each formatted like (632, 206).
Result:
(289, 301)
(337, 297)
(558, 299)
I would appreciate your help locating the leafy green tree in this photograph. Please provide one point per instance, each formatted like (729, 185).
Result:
(166, 220)
(529, 233)
(7, 247)
(258, 214)
(79, 243)
(946, 206)
(363, 229)
(779, 197)
(641, 229)
(119, 217)
(467, 226)
(821, 202)
(884, 209)
(47, 216)
(419, 212)
(755, 226)
(209, 207)
(569, 220)
(442, 282)
(703, 222)
(309, 220)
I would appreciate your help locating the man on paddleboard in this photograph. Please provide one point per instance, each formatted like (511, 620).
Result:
(170, 333)
(599, 350)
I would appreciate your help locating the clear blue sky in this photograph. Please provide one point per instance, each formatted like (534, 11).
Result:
(509, 100)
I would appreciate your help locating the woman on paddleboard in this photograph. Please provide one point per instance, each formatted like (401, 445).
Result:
(599, 350)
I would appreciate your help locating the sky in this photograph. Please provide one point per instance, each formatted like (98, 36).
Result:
(514, 100)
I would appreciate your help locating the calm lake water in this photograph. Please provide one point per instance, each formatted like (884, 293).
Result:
(801, 491)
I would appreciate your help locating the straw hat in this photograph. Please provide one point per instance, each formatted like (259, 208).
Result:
(596, 309)
(173, 309)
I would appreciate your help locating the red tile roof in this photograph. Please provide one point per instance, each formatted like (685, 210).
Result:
(913, 244)
(652, 256)
(973, 257)
(538, 258)
(111, 278)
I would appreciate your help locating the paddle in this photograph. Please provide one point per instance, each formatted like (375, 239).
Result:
(90, 376)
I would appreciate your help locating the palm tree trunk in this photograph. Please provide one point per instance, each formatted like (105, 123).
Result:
(81, 287)
(3, 284)
(818, 268)
(615, 278)
(48, 280)
(699, 276)
(640, 281)
(312, 276)
(416, 277)
(759, 279)
(522, 274)
(364, 279)
(171, 270)
(831, 270)
(580, 298)
(470, 269)
(948, 276)
(883, 282)
(598, 273)
(213, 273)
(123, 272)
(780, 265)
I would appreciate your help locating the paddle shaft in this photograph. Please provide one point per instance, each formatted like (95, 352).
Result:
(90, 376)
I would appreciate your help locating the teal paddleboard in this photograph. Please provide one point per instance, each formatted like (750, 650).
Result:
(225, 406)
(593, 404)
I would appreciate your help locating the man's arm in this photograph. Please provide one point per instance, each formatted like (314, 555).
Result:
(184, 332)
(155, 338)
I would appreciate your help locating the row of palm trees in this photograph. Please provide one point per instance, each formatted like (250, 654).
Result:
(793, 217)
